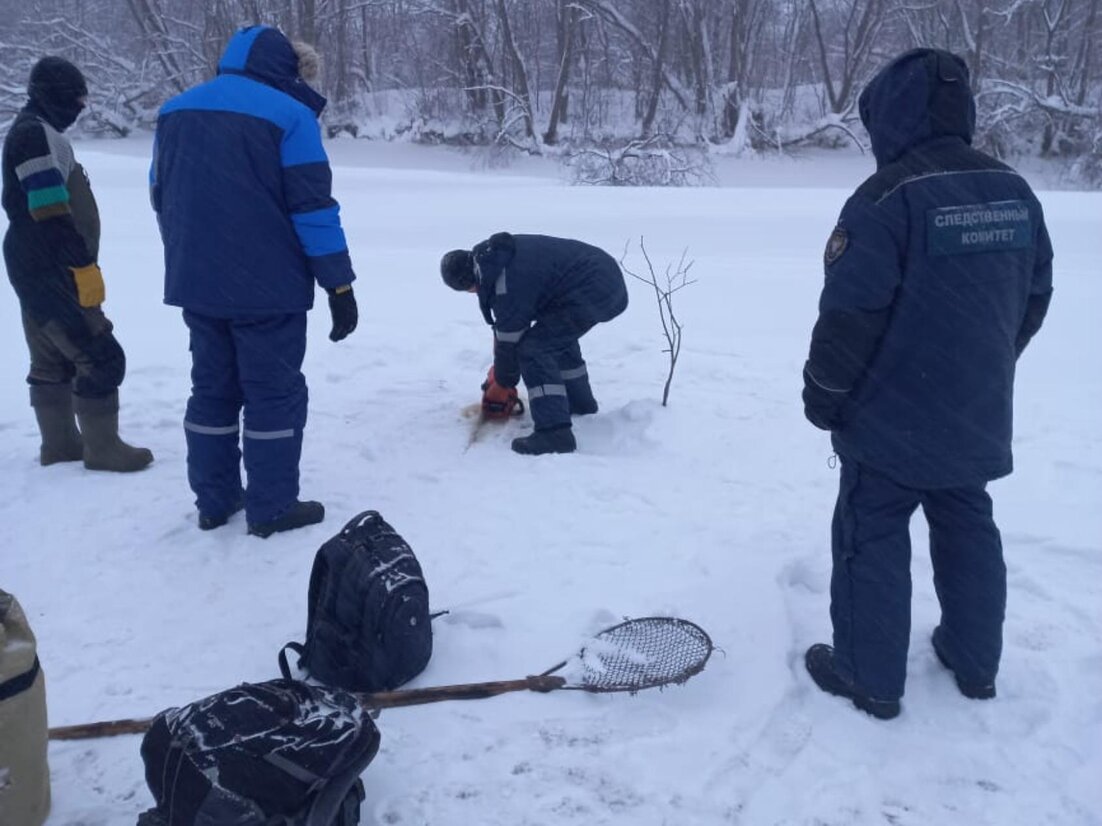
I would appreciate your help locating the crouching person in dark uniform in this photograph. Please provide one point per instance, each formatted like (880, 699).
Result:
(50, 251)
(241, 185)
(540, 294)
(938, 274)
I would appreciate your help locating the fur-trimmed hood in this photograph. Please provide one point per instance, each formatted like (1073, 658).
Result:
(265, 54)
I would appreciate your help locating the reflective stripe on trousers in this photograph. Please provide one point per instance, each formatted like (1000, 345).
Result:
(267, 435)
(542, 390)
(209, 430)
(251, 365)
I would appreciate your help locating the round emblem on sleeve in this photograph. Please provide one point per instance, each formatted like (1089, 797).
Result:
(836, 245)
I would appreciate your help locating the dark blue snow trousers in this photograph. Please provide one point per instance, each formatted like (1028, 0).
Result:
(255, 363)
(553, 369)
(870, 589)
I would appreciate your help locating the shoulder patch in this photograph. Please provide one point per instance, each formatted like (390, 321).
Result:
(836, 245)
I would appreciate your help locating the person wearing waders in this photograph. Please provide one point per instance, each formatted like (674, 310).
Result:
(938, 274)
(541, 295)
(241, 186)
(50, 251)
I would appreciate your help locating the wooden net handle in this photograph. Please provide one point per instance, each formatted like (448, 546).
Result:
(371, 702)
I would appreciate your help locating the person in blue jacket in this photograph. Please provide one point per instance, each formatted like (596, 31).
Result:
(540, 294)
(938, 274)
(241, 186)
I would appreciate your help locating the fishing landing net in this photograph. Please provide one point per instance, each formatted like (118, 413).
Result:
(648, 652)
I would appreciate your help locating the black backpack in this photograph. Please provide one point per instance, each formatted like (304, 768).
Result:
(368, 626)
(278, 753)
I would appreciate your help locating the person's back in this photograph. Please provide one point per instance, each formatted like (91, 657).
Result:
(938, 274)
(549, 275)
(956, 241)
(241, 185)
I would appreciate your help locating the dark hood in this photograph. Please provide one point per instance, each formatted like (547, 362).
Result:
(921, 95)
(265, 54)
(55, 89)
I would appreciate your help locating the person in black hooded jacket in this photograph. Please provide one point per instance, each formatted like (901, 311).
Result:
(540, 294)
(50, 251)
(938, 274)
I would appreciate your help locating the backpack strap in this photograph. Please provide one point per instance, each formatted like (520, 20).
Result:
(19, 683)
(330, 801)
(359, 520)
(284, 668)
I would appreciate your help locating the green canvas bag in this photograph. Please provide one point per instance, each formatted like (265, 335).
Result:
(24, 773)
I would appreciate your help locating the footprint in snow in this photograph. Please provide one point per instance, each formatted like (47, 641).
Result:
(621, 431)
(472, 619)
(805, 574)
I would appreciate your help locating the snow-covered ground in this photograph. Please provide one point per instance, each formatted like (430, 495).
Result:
(716, 509)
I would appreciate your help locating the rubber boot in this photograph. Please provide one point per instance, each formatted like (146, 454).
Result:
(553, 440)
(103, 449)
(53, 407)
(299, 515)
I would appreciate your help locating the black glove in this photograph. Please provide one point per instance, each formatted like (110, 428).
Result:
(342, 307)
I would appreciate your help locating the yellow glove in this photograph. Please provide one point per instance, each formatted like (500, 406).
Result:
(89, 281)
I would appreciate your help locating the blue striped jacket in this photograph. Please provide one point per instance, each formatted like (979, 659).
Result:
(241, 186)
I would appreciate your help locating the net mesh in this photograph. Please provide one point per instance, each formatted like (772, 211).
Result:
(642, 653)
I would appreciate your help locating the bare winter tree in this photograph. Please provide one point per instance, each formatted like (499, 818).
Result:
(567, 20)
(845, 32)
(578, 78)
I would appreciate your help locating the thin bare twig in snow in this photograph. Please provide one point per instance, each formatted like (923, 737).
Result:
(675, 279)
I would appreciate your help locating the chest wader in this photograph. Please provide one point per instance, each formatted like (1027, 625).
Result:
(24, 773)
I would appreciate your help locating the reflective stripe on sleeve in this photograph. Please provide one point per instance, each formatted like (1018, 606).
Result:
(509, 338)
(576, 373)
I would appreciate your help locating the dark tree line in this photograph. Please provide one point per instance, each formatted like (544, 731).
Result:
(548, 75)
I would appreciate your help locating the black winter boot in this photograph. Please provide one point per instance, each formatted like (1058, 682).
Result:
(583, 407)
(819, 660)
(208, 522)
(972, 691)
(299, 515)
(99, 426)
(555, 440)
(53, 407)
